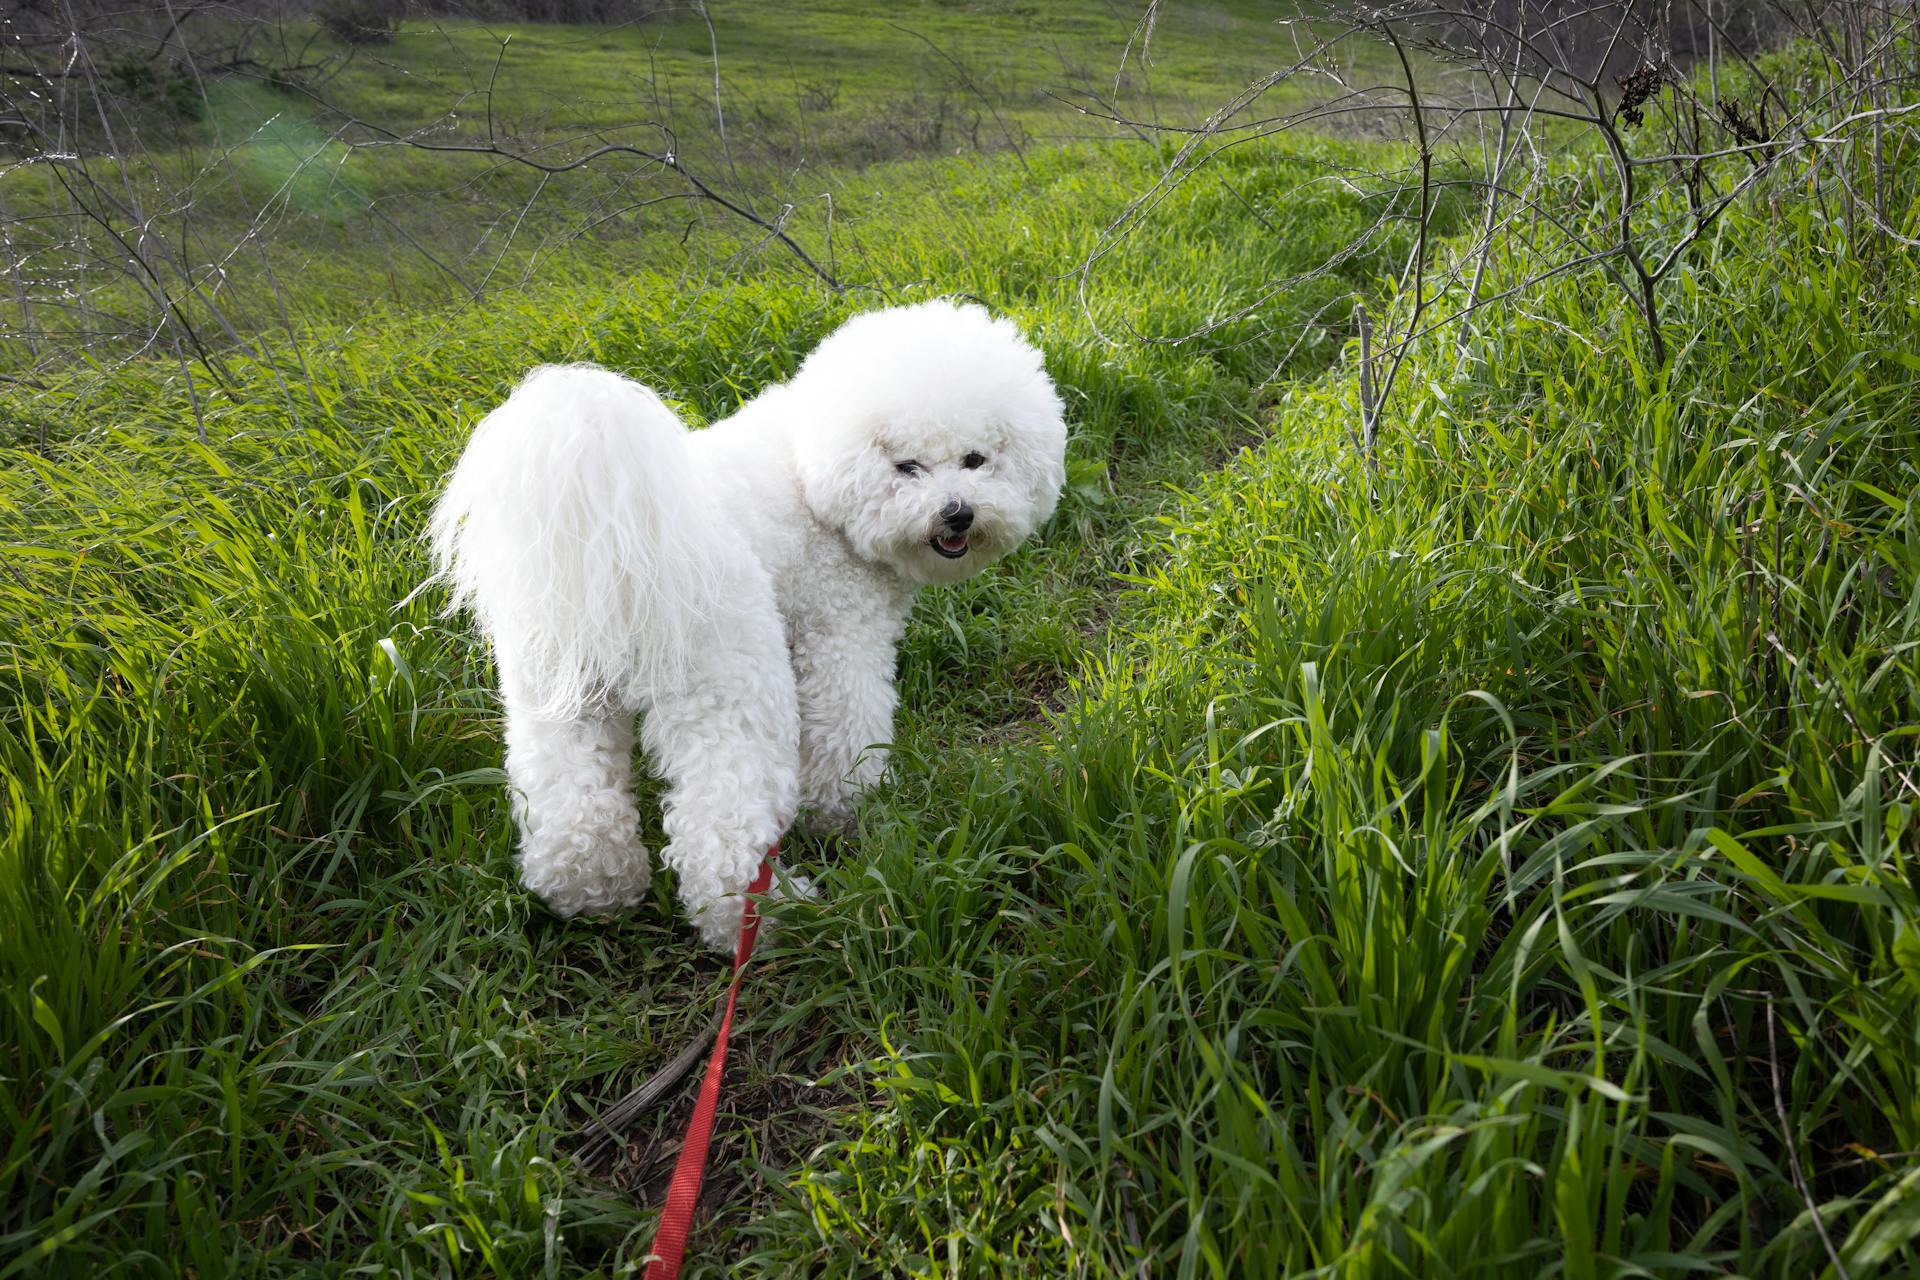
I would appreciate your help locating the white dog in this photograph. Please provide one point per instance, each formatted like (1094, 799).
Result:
(741, 590)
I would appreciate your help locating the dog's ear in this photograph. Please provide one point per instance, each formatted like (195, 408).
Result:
(835, 470)
(1043, 449)
(839, 462)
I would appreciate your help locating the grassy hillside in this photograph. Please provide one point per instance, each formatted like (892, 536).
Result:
(258, 852)
(1498, 861)
(340, 191)
(820, 76)
(1512, 868)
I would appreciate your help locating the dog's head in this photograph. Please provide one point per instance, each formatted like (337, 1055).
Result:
(930, 436)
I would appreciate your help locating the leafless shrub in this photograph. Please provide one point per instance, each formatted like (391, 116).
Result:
(921, 123)
(361, 22)
(1692, 103)
(820, 96)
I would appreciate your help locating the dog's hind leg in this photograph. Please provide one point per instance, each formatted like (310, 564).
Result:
(727, 744)
(571, 780)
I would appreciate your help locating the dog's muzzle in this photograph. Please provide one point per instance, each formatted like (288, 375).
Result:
(955, 519)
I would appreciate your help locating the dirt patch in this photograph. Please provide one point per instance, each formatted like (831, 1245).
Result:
(767, 1119)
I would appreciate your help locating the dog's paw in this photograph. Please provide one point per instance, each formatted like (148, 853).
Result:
(719, 921)
(599, 880)
(719, 924)
(834, 815)
(791, 886)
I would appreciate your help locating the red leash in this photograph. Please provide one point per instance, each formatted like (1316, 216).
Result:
(670, 1237)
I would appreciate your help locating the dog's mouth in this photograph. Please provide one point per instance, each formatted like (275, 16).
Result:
(951, 546)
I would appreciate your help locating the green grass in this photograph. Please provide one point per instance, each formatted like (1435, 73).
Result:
(822, 73)
(1434, 884)
(281, 892)
(1497, 863)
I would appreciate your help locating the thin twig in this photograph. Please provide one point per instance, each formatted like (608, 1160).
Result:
(1793, 1150)
(966, 79)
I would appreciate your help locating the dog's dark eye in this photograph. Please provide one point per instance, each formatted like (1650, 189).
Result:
(907, 468)
(974, 461)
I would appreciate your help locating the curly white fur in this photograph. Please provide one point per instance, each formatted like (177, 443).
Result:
(742, 590)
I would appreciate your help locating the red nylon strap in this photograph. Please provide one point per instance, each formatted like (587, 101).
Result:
(670, 1237)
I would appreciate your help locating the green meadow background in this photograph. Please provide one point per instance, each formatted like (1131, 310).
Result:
(1495, 861)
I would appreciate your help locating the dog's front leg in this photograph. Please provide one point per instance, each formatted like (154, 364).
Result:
(727, 743)
(844, 671)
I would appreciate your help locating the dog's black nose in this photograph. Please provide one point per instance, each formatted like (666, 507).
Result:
(957, 516)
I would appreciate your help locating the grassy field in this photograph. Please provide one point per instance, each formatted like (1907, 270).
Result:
(275, 207)
(818, 78)
(1496, 863)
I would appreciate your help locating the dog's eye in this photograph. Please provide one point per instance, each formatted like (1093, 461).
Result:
(974, 461)
(907, 468)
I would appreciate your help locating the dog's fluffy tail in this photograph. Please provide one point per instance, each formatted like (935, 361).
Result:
(575, 529)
